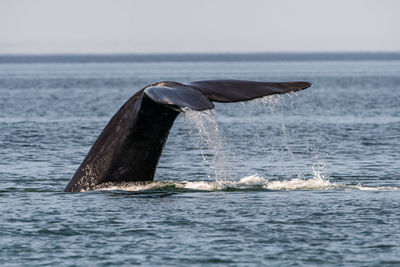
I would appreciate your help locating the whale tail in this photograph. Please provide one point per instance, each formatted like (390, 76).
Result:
(129, 147)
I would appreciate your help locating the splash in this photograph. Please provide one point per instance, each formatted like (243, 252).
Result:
(293, 159)
(318, 166)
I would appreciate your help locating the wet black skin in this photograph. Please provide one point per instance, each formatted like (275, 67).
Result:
(130, 146)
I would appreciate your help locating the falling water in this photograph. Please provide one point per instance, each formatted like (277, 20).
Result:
(206, 136)
(211, 143)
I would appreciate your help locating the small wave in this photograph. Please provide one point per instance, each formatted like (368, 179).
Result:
(374, 188)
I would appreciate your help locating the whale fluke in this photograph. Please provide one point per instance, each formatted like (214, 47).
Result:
(129, 147)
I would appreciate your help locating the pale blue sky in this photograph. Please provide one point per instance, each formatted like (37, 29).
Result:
(119, 26)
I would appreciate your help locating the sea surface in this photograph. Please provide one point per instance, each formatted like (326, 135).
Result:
(310, 178)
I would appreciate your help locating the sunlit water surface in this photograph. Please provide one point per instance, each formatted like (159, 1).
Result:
(310, 178)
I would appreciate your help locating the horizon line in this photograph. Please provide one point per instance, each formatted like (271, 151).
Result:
(195, 53)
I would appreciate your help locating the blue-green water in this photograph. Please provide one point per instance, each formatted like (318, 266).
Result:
(311, 178)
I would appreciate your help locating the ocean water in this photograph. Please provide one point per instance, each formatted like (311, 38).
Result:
(311, 178)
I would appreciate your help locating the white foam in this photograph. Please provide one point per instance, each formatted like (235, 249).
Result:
(246, 183)
(253, 180)
(298, 184)
(203, 186)
(377, 188)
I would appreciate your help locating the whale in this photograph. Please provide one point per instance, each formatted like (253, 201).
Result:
(130, 146)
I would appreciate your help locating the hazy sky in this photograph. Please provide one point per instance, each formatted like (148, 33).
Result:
(119, 26)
